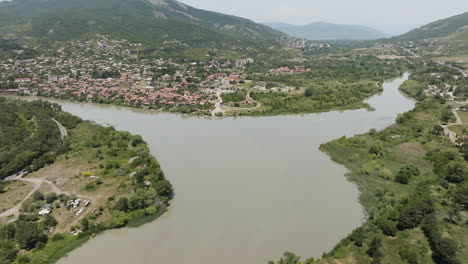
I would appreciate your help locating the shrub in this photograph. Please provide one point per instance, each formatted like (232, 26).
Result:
(389, 228)
(37, 195)
(51, 197)
(409, 255)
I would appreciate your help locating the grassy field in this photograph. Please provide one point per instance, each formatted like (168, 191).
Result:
(15, 193)
(464, 117)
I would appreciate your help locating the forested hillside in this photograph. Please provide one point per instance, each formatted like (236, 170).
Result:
(438, 29)
(154, 22)
(29, 138)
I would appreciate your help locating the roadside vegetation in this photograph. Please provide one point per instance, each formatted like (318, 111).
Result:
(112, 170)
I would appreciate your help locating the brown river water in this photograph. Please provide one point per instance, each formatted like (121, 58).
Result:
(247, 189)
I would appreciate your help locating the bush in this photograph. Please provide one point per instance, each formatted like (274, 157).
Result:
(8, 251)
(409, 255)
(455, 172)
(405, 174)
(374, 249)
(28, 234)
(444, 250)
(58, 237)
(37, 195)
(412, 215)
(122, 204)
(51, 197)
(461, 196)
(389, 228)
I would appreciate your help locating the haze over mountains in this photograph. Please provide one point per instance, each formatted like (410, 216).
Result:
(328, 31)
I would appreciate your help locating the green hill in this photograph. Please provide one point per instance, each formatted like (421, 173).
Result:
(152, 21)
(438, 29)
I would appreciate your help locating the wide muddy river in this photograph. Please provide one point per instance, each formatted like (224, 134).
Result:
(247, 189)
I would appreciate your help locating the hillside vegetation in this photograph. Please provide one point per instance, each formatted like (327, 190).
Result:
(112, 170)
(154, 22)
(413, 184)
(29, 138)
(438, 29)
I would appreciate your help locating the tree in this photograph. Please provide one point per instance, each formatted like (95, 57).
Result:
(374, 248)
(8, 251)
(389, 228)
(50, 221)
(37, 195)
(405, 174)
(412, 215)
(455, 172)
(461, 196)
(289, 258)
(402, 178)
(163, 188)
(308, 92)
(122, 204)
(51, 197)
(377, 150)
(445, 251)
(28, 234)
(84, 224)
(446, 116)
(408, 254)
(357, 236)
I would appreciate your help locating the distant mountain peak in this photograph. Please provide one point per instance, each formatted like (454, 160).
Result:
(327, 31)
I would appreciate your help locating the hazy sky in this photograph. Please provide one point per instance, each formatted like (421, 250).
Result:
(391, 16)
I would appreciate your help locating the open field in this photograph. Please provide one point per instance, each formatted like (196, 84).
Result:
(15, 192)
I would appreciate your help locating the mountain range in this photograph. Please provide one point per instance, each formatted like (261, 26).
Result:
(328, 31)
(154, 21)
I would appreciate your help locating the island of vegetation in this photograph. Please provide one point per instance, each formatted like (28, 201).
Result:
(66, 179)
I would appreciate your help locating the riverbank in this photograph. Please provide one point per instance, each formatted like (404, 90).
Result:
(104, 179)
(247, 151)
(406, 176)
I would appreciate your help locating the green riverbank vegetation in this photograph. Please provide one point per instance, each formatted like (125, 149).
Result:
(102, 179)
(331, 84)
(413, 184)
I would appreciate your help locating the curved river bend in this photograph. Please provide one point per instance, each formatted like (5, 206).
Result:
(247, 189)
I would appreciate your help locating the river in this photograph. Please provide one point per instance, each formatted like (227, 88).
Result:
(247, 189)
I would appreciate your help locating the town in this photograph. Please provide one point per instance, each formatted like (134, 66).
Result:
(111, 71)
